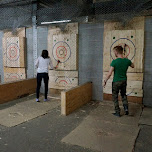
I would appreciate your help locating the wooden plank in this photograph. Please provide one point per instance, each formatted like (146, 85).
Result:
(137, 23)
(130, 76)
(133, 99)
(139, 58)
(130, 91)
(130, 84)
(62, 82)
(23, 52)
(15, 90)
(70, 28)
(75, 98)
(14, 74)
(63, 79)
(14, 51)
(63, 73)
(134, 84)
(106, 52)
(134, 41)
(63, 103)
(63, 45)
(20, 32)
(65, 49)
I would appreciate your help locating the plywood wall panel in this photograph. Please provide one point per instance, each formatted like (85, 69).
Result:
(14, 74)
(63, 79)
(14, 52)
(63, 46)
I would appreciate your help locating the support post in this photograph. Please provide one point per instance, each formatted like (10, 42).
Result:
(34, 24)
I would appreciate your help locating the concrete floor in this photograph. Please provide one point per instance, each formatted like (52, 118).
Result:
(144, 140)
(47, 133)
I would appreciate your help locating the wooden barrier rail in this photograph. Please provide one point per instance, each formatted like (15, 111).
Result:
(74, 98)
(15, 90)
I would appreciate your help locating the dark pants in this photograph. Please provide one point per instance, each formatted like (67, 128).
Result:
(45, 78)
(116, 87)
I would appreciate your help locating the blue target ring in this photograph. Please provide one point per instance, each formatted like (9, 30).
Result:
(123, 39)
(55, 51)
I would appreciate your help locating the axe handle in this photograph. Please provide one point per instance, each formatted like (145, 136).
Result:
(57, 63)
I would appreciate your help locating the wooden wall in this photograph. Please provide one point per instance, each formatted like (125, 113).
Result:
(63, 46)
(63, 79)
(75, 98)
(15, 90)
(131, 35)
(14, 55)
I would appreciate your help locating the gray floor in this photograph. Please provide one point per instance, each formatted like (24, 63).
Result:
(101, 131)
(43, 134)
(144, 140)
(46, 132)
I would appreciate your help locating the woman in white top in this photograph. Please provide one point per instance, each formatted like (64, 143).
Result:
(42, 63)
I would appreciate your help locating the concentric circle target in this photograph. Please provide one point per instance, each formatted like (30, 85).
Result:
(61, 51)
(63, 81)
(13, 52)
(130, 49)
(14, 76)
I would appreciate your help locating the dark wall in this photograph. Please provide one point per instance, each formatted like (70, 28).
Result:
(91, 57)
(147, 86)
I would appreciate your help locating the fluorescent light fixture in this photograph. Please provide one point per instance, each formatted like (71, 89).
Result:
(53, 22)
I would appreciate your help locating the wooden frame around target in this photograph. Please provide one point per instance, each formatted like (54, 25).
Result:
(61, 51)
(14, 52)
(63, 79)
(14, 74)
(134, 39)
(65, 49)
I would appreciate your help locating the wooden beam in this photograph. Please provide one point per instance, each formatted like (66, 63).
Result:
(75, 98)
(15, 90)
(133, 99)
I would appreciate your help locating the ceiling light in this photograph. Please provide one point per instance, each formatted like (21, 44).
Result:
(53, 22)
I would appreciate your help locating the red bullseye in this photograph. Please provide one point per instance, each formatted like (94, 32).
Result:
(58, 50)
(13, 52)
(12, 48)
(14, 77)
(61, 51)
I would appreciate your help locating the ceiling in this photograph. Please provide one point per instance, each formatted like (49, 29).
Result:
(19, 12)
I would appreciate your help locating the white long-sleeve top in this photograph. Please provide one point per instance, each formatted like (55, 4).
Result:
(42, 64)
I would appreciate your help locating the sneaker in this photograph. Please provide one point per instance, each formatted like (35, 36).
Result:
(116, 114)
(46, 100)
(37, 100)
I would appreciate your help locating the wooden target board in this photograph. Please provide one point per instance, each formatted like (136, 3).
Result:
(14, 52)
(132, 42)
(134, 84)
(14, 74)
(64, 49)
(63, 79)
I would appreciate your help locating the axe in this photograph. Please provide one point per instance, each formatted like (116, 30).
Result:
(57, 63)
(124, 50)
